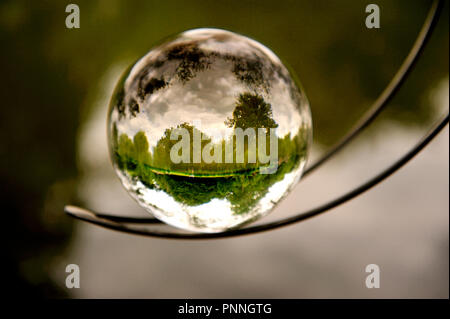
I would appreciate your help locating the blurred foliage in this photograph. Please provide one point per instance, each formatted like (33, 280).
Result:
(51, 75)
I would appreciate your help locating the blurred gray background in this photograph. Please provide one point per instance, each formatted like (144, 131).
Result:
(55, 89)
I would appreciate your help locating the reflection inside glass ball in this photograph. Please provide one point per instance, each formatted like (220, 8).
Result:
(208, 131)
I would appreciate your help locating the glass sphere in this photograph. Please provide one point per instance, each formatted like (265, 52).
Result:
(209, 131)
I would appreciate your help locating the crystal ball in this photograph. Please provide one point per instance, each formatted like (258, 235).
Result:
(209, 130)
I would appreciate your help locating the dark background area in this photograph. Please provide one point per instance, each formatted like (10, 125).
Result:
(51, 75)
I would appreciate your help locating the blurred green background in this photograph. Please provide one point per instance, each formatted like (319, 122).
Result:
(51, 77)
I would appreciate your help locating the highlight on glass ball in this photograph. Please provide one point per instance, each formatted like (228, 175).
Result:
(209, 130)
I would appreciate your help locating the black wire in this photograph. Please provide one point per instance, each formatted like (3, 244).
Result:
(390, 90)
(92, 218)
(116, 222)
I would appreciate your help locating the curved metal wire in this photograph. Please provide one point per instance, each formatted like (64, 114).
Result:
(119, 223)
(390, 90)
